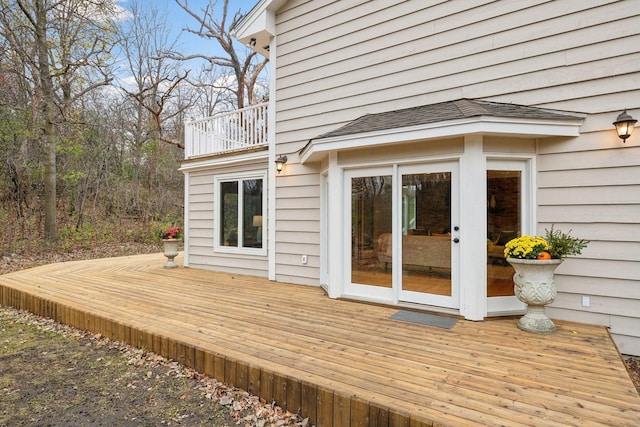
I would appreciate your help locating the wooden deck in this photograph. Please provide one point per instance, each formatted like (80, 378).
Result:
(341, 363)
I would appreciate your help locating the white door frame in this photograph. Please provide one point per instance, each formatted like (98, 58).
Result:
(357, 290)
(525, 165)
(395, 294)
(324, 231)
(472, 168)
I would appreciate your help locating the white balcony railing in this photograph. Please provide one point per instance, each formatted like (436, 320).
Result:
(226, 132)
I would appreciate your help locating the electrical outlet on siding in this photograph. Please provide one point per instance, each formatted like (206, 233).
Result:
(586, 301)
(304, 259)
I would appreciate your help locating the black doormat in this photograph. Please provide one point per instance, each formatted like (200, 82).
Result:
(425, 319)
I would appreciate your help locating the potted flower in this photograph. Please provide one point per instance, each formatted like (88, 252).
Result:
(171, 239)
(535, 259)
(173, 232)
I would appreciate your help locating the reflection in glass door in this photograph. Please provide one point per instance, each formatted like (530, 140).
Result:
(503, 224)
(371, 222)
(426, 233)
(508, 216)
(400, 222)
(427, 213)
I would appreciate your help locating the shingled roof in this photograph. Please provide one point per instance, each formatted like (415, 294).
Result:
(442, 112)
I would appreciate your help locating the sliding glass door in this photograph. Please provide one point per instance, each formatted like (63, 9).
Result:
(413, 209)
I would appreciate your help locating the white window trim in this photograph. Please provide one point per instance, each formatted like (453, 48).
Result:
(217, 247)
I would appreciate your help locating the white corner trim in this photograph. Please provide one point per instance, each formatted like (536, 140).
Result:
(272, 174)
(185, 220)
(485, 125)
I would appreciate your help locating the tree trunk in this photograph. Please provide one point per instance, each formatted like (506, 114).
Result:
(48, 137)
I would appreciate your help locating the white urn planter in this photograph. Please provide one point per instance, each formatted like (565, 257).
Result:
(171, 251)
(534, 285)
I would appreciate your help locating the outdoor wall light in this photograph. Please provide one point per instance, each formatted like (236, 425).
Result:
(624, 125)
(280, 161)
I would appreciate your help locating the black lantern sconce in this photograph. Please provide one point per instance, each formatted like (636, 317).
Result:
(280, 161)
(624, 125)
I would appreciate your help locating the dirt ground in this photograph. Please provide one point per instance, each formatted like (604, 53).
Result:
(55, 375)
(633, 366)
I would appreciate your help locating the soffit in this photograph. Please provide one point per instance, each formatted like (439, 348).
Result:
(257, 28)
(234, 158)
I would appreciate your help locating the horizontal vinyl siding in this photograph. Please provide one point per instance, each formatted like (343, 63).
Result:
(625, 333)
(411, 62)
(298, 225)
(339, 60)
(596, 194)
(201, 221)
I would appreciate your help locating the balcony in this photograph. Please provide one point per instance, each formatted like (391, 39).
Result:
(227, 132)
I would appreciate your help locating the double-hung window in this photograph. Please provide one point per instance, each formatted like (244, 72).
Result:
(240, 207)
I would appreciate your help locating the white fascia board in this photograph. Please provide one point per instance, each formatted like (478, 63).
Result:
(254, 22)
(235, 160)
(256, 25)
(486, 125)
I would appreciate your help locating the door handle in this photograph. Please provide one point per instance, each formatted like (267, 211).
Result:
(456, 240)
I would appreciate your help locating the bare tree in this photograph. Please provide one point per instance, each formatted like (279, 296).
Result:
(153, 82)
(63, 44)
(210, 89)
(246, 67)
(156, 77)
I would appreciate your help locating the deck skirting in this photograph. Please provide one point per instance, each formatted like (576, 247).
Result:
(322, 406)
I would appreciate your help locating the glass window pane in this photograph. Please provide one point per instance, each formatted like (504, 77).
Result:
(229, 214)
(426, 229)
(252, 213)
(371, 208)
(504, 201)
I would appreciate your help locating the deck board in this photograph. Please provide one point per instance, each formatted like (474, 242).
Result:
(340, 362)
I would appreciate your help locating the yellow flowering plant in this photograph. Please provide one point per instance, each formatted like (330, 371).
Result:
(556, 243)
(525, 247)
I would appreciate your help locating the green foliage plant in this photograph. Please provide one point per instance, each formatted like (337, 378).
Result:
(562, 244)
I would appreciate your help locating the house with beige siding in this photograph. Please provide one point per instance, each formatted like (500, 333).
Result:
(419, 137)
